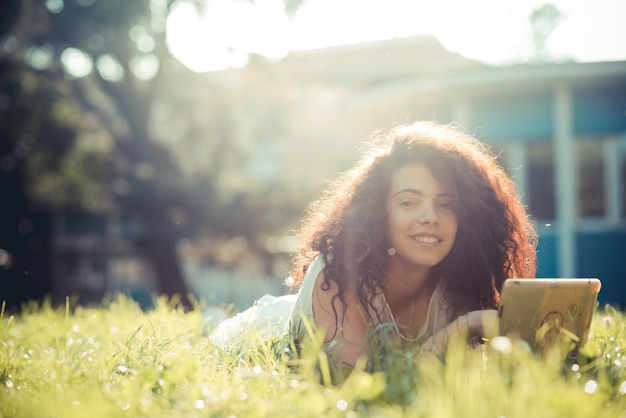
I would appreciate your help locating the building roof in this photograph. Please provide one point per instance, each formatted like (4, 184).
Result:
(374, 61)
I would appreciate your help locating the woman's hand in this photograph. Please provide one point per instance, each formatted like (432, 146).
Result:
(480, 324)
(474, 324)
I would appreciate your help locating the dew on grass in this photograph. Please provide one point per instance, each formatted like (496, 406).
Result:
(198, 404)
(243, 396)
(591, 386)
(113, 329)
(126, 407)
(622, 388)
(502, 344)
(76, 328)
(9, 384)
(617, 363)
(575, 367)
(342, 405)
(257, 369)
(293, 383)
(205, 392)
(126, 371)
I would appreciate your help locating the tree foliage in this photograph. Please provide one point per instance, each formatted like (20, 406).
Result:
(543, 21)
(79, 81)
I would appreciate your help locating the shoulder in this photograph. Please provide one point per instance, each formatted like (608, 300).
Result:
(338, 311)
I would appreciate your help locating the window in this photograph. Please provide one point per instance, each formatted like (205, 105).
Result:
(590, 178)
(540, 175)
(600, 170)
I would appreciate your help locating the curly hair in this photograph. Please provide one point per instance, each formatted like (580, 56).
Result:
(347, 223)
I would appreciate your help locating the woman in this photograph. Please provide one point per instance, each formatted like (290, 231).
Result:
(417, 238)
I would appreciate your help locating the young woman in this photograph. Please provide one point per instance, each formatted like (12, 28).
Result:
(415, 240)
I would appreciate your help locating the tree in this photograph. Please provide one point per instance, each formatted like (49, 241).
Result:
(104, 62)
(543, 21)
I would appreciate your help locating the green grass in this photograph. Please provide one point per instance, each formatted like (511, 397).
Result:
(118, 361)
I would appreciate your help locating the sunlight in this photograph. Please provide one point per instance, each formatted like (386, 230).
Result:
(198, 46)
(494, 32)
(226, 33)
(592, 32)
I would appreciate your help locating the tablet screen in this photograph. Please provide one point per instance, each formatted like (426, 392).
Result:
(542, 310)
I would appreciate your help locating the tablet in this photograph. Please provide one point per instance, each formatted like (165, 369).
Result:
(543, 311)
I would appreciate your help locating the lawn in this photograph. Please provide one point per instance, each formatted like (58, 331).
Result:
(119, 361)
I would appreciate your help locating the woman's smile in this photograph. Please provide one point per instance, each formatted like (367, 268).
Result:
(429, 239)
(422, 220)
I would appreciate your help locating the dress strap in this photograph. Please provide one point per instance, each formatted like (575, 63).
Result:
(304, 302)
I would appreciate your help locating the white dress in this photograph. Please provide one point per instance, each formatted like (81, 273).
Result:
(276, 316)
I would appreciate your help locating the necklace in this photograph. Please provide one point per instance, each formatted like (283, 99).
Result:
(395, 323)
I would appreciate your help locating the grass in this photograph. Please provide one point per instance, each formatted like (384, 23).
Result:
(119, 361)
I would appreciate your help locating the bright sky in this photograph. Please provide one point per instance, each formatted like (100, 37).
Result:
(493, 31)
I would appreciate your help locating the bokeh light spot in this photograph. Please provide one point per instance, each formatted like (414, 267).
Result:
(145, 67)
(54, 6)
(76, 63)
(591, 386)
(342, 405)
(109, 68)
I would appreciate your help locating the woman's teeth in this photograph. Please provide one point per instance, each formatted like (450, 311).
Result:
(426, 239)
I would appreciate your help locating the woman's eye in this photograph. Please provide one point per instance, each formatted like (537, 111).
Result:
(408, 203)
(446, 205)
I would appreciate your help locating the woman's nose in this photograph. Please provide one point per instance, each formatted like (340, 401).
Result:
(428, 214)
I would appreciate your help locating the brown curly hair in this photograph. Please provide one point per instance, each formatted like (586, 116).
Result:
(347, 223)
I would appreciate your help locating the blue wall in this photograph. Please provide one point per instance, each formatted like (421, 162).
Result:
(599, 111)
(522, 116)
(547, 256)
(599, 254)
(603, 255)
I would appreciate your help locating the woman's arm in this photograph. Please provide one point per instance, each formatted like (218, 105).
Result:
(474, 324)
(347, 329)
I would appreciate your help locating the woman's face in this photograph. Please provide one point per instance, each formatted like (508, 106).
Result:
(422, 218)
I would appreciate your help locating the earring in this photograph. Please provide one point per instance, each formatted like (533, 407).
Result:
(391, 251)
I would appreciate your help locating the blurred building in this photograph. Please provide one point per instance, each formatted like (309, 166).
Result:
(559, 129)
